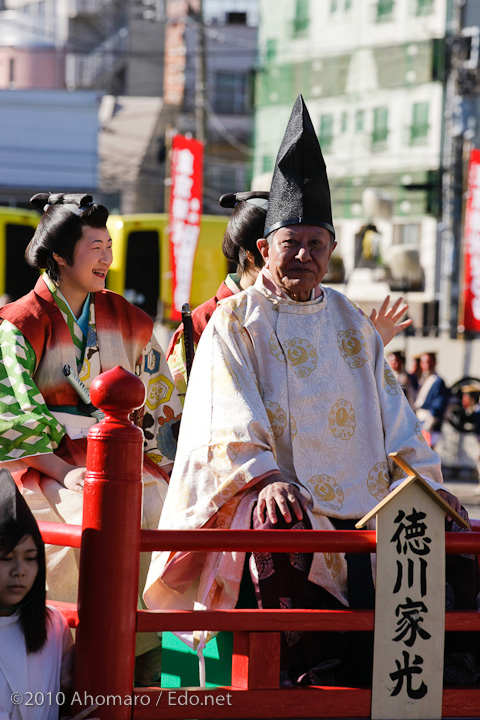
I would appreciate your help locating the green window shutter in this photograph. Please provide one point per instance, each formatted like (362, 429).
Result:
(419, 127)
(284, 83)
(267, 163)
(325, 137)
(424, 7)
(344, 122)
(384, 10)
(380, 125)
(333, 6)
(359, 120)
(271, 50)
(348, 5)
(302, 17)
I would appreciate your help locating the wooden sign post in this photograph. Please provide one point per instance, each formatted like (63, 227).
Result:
(409, 600)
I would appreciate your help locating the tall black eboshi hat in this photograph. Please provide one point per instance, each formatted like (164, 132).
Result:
(15, 515)
(300, 192)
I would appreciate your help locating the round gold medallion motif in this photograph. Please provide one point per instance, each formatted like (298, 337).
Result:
(224, 450)
(301, 356)
(391, 385)
(241, 307)
(328, 491)
(275, 348)
(342, 420)
(378, 480)
(352, 347)
(277, 418)
(334, 563)
(420, 435)
(233, 323)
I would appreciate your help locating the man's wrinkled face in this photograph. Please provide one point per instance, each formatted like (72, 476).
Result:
(298, 258)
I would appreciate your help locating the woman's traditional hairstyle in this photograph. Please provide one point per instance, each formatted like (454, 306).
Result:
(245, 227)
(60, 228)
(16, 521)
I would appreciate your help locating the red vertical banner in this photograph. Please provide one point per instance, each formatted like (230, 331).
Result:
(185, 216)
(471, 297)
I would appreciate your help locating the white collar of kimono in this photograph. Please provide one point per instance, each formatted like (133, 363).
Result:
(232, 282)
(83, 319)
(265, 280)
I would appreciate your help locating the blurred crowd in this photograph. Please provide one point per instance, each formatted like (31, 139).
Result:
(433, 402)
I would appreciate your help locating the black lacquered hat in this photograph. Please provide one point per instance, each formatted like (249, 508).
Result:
(300, 192)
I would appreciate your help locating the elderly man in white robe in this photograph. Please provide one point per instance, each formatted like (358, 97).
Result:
(290, 416)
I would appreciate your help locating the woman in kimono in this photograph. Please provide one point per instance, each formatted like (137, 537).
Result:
(70, 319)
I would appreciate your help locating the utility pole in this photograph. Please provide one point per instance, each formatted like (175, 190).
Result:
(200, 76)
(452, 179)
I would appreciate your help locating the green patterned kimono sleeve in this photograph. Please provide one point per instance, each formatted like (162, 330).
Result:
(27, 427)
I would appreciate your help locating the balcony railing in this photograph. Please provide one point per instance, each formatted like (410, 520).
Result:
(87, 7)
(86, 71)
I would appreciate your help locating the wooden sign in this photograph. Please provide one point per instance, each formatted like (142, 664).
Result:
(409, 601)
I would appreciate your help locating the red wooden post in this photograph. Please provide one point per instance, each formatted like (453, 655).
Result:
(110, 552)
(256, 660)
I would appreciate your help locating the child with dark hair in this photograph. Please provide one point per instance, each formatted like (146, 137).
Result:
(69, 319)
(35, 642)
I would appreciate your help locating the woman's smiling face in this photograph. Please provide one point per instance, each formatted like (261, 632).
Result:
(92, 258)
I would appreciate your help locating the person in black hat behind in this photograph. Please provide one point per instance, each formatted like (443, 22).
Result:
(289, 420)
(240, 249)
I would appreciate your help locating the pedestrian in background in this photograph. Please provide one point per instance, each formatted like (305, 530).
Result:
(407, 382)
(432, 399)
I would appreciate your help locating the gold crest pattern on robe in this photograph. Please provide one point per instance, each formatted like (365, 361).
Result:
(300, 388)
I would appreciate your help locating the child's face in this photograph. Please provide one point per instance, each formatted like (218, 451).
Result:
(18, 570)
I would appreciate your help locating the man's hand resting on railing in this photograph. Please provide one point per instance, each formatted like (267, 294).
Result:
(277, 494)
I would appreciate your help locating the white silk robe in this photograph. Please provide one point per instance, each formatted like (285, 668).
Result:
(299, 387)
(34, 680)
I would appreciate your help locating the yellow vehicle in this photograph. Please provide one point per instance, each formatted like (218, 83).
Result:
(16, 230)
(141, 259)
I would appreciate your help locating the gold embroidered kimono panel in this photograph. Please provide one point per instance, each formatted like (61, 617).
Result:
(302, 388)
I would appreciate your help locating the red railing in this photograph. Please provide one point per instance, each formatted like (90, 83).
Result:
(107, 617)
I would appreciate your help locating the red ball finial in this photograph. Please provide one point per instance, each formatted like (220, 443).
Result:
(117, 391)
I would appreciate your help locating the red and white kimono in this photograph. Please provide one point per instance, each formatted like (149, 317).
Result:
(39, 409)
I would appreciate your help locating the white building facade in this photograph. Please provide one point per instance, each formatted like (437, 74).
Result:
(372, 74)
